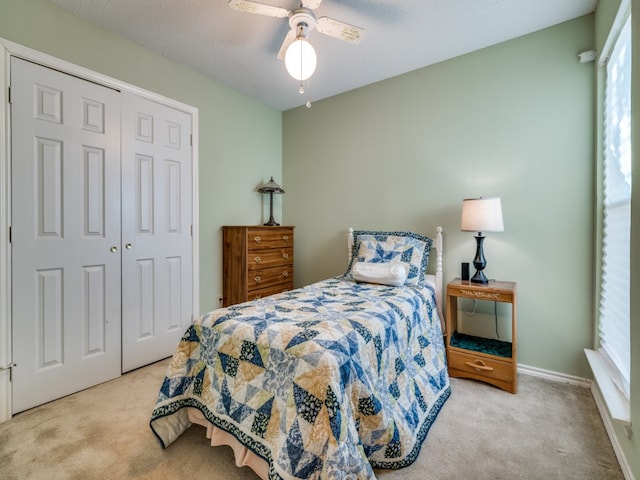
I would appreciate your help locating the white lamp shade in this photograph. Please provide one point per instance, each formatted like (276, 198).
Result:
(300, 59)
(482, 215)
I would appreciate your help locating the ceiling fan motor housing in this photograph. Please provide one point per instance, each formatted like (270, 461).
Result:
(302, 16)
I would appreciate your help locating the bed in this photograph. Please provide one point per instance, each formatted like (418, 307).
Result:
(331, 380)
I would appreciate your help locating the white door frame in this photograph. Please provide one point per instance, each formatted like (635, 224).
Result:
(7, 50)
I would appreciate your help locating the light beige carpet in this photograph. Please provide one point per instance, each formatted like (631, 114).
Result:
(547, 431)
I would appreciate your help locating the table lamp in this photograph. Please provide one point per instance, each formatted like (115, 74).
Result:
(481, 215)
(271, 187)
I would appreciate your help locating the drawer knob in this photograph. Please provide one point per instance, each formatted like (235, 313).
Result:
(479, 366)
(285, 255)
(285, 237)
(257, 278)
(285, 274)
(258, 259)
(257, 239)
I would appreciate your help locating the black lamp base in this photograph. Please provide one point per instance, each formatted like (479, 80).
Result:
(479, 277)
(479, 262)
(271, 222)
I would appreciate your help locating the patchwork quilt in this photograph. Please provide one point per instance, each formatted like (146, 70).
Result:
(324, 382)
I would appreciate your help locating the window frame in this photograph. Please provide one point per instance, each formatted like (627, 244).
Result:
(614, 303)
(608, 396)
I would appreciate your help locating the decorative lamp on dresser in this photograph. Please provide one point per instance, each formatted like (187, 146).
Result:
(257, 261)
(485, 359)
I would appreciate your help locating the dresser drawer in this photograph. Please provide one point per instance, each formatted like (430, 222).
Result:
(479, 367)
(269, 276)
(265, 238)
(265, 292)
(270, 258)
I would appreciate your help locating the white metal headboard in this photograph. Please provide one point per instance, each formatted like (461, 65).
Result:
(437, 246)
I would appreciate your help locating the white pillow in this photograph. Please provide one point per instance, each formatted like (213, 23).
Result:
(389, 273)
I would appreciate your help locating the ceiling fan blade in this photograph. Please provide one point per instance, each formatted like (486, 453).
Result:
(259, 8)
(311, 4)
(340, 30)
(288, 40)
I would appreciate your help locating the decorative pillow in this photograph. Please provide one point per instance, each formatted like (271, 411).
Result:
(394, 274)
(385, 247)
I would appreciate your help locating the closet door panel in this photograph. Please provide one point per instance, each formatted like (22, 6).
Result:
(65, 187)
(156, 229)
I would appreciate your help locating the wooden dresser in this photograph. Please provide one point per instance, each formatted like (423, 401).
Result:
(257, 261)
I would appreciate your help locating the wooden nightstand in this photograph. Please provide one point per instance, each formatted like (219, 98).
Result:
(484, 359)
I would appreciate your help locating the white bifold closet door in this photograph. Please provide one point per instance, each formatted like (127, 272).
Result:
(156, 230)
(101, 232)
(65, 184)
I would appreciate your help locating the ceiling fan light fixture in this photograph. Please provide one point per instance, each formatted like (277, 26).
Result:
(301, 59)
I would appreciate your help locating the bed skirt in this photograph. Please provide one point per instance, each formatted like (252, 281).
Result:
(244, 457)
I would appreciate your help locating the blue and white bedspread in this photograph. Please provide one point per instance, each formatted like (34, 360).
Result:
(323, 382)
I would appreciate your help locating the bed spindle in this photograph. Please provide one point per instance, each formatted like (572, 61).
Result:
(438, 247)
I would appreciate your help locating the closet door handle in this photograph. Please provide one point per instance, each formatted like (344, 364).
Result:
(114, 249)
(128, 246)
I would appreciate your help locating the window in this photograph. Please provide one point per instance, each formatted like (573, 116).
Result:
(614, 321)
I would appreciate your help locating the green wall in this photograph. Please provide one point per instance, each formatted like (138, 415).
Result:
(515, 120)
(240, 138)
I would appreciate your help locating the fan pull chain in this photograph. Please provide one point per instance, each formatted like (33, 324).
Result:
(301, 89)
(308, 104)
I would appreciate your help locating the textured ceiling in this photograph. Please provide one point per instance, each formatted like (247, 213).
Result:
(238, 49)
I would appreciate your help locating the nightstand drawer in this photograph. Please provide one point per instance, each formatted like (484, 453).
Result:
(478, 366)
(270, 258)
(486, 293)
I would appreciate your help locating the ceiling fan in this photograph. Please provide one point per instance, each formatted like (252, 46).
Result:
(302, 20)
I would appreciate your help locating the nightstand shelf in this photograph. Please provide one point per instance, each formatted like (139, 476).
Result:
(482, 345)
(485, 359)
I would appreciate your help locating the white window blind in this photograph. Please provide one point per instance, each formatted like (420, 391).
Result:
(613, 322)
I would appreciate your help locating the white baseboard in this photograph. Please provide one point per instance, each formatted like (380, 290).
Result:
(600, 404)
(554, 376)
